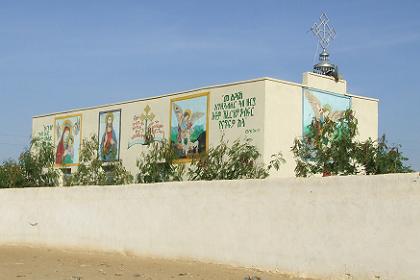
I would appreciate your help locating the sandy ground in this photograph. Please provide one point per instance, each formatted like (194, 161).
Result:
(18, 262)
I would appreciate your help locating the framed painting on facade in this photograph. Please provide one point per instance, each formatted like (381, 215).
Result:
(109, 135)
(67, 139)
(318, 105)
(189, 125)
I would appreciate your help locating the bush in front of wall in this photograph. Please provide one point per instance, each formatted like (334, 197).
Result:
(34, 168)
(331, 148)
(239, 160)
(93, 171)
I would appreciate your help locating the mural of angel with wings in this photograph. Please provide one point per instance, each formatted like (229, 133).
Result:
(189, 125)
(320, 105)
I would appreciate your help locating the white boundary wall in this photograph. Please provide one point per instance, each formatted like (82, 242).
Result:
(319, 227)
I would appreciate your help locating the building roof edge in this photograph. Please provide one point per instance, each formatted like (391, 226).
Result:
(184, 92)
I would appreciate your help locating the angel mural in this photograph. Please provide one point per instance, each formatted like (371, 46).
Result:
(67, 135)
(109, 135)
(320, 105)
(189, 125)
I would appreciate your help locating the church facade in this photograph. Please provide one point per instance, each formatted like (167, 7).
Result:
(271, 112)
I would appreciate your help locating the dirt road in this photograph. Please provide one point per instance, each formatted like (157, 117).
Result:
(27, 263)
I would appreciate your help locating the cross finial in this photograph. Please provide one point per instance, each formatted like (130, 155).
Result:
(324, 31)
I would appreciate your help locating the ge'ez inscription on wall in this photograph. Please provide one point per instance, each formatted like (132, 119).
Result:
(234, 110)
(46, 133)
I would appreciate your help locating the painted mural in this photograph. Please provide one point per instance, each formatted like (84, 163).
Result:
(67, 137)
(109, 135)
(145, 128)
(189, 124)
(319, 105)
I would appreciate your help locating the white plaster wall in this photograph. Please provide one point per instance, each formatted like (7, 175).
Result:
(283, 116)
(160, 106)
(276, 119)
(366, 112)
(254, 125)
(325, 83)
(319, 227)
(283, 123)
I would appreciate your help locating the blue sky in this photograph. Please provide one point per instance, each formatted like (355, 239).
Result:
(57, 55)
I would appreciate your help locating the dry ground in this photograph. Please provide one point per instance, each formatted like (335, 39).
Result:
(27, 263)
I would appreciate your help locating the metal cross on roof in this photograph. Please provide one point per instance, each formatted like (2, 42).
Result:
(324, 31)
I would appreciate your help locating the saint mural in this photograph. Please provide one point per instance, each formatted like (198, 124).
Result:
(189, 125)
(67, 135)
(320, 105)
(109, 135)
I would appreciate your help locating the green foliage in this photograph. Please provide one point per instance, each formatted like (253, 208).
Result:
(378, 157)
(93, 171)
(330, 148)
(157, 164)
(223, 162)
(10, 175)
(35, 167)
(327, 148)
(37, 164)
(229, 162)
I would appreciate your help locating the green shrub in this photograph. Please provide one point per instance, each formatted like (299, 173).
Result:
(35, 167)
(331, 148)
(230, 162)
(157, 164)
(93, 171)
(10, 175)
(37, 164)
(378, 157)
(222, 162)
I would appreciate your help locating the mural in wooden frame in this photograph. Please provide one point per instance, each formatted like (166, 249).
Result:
(109, 135)
(189, 123)
(67, 139)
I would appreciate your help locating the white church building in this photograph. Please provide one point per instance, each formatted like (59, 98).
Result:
(269, 111)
